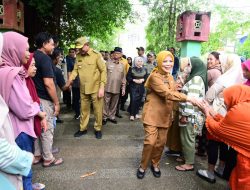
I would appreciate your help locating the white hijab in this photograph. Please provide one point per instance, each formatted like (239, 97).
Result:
(138, 59)
(232, 74)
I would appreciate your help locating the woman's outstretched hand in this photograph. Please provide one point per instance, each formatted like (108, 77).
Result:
(207, 109)
(195, 101)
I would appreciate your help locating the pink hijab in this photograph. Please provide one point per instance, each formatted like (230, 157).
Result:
(246, 65)
(13, 47)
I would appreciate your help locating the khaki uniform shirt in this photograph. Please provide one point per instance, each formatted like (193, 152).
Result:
(158, 107)
(149, 66)
(116, 77)
(92, 72)
(126, 65)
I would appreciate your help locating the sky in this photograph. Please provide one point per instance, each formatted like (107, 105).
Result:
(134, 35)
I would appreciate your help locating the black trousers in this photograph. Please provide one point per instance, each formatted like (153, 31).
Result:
(67, 98)
(230, 163)
(136, 94)
(76, 100)
(213, 150)
(202, 141)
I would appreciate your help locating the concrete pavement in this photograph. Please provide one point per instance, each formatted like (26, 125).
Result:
(114, 158)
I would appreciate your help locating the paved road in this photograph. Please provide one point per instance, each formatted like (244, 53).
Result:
(114, 158)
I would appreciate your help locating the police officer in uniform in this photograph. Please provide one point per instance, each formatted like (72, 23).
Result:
(92, 72)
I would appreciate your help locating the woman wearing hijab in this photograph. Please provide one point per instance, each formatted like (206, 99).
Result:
(246, 71)
(157, 112)
(136, 78)
(191, 119)
(30, 67)
(232, 75)
(16, 95)
(14, 163)
(213, 72)
(234, 130)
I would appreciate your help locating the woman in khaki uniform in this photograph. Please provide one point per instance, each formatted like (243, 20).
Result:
(157, 112)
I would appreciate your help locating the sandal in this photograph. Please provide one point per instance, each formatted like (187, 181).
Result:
(55, 162)
(183, 169)
(37, 160)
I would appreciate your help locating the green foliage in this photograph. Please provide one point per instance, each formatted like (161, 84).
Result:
(71, 19)
(42, 6)
(161, 30)
(230, 24)
(214, 43)
(244, 49)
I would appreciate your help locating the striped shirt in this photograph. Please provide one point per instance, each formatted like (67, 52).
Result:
(193, 88)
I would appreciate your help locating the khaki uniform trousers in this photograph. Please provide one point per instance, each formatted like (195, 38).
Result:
(188, 143)
(86, 100)
(43, 144)
(174, 138)
(110, 104)
(154, 142)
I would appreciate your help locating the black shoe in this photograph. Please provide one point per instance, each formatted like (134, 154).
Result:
(98, 134)
(77, 117)
(113, 121)
(155, 173)
(80, 133)
(173, 153)
(118, 115)
(139, 174)
(104, 121)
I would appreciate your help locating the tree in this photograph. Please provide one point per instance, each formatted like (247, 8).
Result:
(229, 25)
(70, 19)
(161, 30)
(244, 49)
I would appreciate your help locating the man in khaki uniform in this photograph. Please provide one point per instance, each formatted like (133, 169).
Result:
(92, 72)
(116, 79)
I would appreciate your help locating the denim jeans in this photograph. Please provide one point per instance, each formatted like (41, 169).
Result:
(26, 142)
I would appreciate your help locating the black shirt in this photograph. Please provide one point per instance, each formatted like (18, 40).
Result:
(44, 70)
(59, 77)
(70, 67)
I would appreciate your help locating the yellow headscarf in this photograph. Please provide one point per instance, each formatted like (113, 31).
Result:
(160, 58)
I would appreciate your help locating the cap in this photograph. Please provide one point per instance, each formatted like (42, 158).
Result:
(140, 48)
(118, 49)
(81, 41)
(150, 54)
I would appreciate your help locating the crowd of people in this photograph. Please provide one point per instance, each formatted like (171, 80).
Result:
(183, 103)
